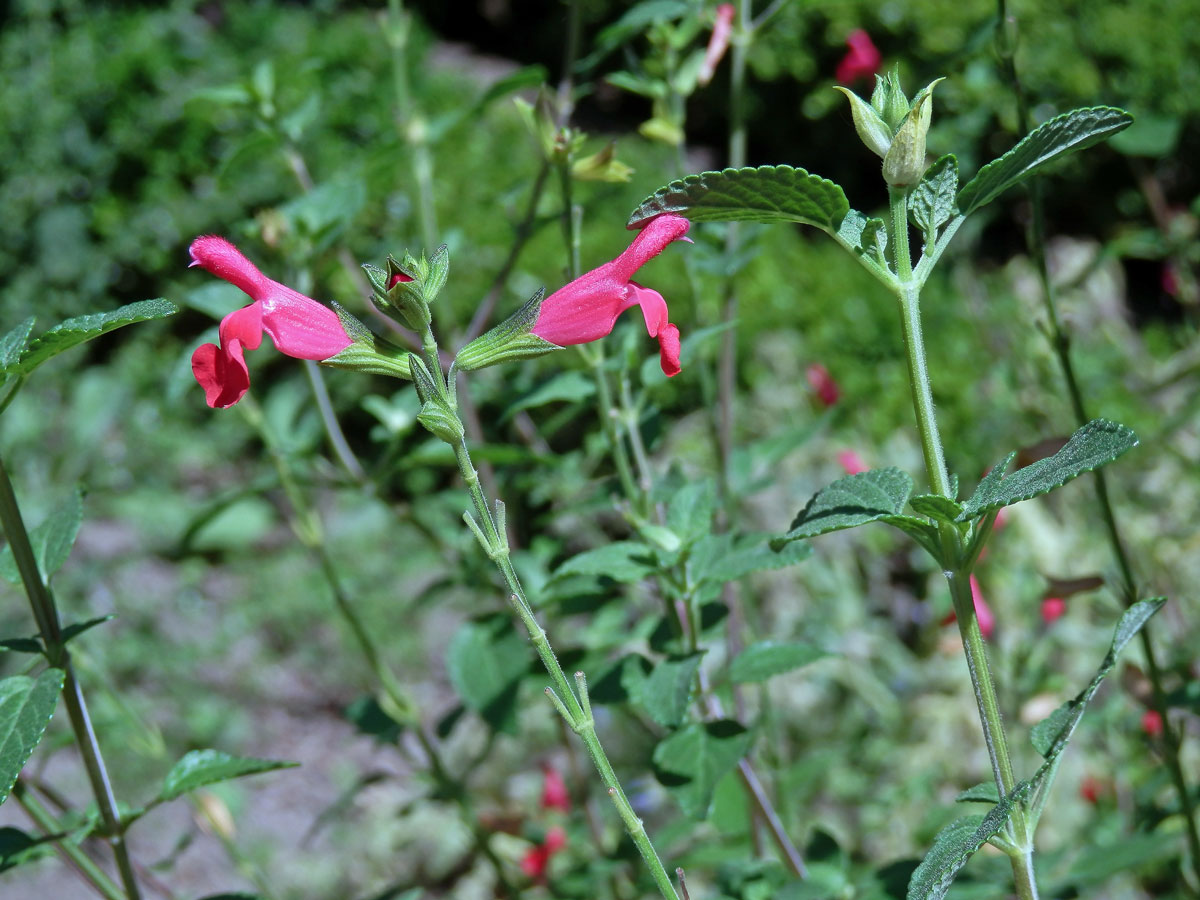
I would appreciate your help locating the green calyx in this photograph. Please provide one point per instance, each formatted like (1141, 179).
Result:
(893, 128)
(439, 406)
(904, 163)
(405, 289)
(509, 340)
(368, 352)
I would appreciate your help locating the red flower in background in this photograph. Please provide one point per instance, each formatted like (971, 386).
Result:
(823, 385)
(299, 326)
(586, 309)
(718, 43)
(1152, 723)
(537, 859)
(1053, 609)
(1091, 788)
(851, 462)
(983, 612)
(554, 790)
(862, 61)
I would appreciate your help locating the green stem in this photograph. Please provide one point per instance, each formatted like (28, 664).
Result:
(574, 707)
(41, 600)
(74, 854)
(958, 571)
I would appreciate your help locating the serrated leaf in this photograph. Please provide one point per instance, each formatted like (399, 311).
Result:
(621, 561)
(935, 506)
(690, 510)
(485, 661)
(985, 792)
(26, 706)
(203, 767)
(690, 762)
(933, 201)
(920, 531)
(566, 387)
(955, 844)
(766, 659)
(849, 502)
(1095, 444)
(763, 194)
(73, 332)
(77, 628)
(1050, 736)
(1064, 134)
(12, 345)
(51, 541)
(666, 692)
(724, 559)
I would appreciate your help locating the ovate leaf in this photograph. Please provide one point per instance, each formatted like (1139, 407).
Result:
(690, 511)
(849, 502)
(933, 201)
(955, 844)
(765, 659)
(75, 331)
(986, 792)
(17, 847)
(26, 705)
(690, 762)
(765, 194)
(722, 558)
(1095, 444)
(1065, 134)
(203, 767)
(51, 541)
(485, 661)
(620, 561)
(667, 690)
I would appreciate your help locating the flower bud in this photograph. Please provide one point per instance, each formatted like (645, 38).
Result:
(889, 101)
(871, 127)
(904, 163)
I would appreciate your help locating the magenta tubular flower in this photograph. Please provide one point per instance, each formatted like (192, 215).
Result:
(299, 326)
(718, 43)
(823, 385)
(586, 309)
(862, 61)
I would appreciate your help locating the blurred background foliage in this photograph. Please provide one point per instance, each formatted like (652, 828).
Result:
(131, 128)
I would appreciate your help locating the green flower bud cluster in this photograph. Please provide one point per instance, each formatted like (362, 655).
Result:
(894, 128)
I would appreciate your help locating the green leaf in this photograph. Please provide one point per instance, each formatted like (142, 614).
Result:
(935, 506)
(75, 331)
(1064, 134)
(1050, 736)
(12, 345)
(849, 502)
(77, 628)
(955, 844)
(202, 767)
(620, 561)
(26, 706)
(566, 387)
(17, 847)
(369, 717)
(21, 645)
(690, 511)
(986, 792)
(765, 659)
(51, 541)
(721, 558)
(765, 194)
(691, 761)
(1095, 444)
(485, 661)
(933, 201)
(667, 690)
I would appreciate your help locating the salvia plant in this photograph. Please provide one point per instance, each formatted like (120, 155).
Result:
(681, 540)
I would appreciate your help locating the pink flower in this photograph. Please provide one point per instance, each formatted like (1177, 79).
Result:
(983, 612)
(1053, 609)
(823, 385)
(1152, 723)
(862, 61)
(851, 462)
(299, 327)
(718, 43)
(537, 859)
(1091, 788)
(587, 308)
(554, 790)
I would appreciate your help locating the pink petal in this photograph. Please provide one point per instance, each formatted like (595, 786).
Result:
(823, 385)
(221, 258)
(244, 326)
(1053, 609)
(301, 327)
(668, 350)
(718, 43)
(653, 238)
(582, 311)
(654, 307)
(983, 612)
(851, 462)
(554, 790)
(222, 372)
(1152, 723)
(862, 61)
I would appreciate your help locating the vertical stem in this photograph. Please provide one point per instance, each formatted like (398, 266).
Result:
(958, 568)
(41, 600)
